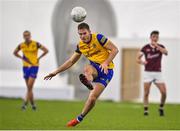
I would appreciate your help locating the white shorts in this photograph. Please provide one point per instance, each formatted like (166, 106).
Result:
(155, 77)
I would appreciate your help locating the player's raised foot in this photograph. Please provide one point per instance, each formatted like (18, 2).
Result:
(161, 112)
(146, 113)
(84, 80)
(72, 123)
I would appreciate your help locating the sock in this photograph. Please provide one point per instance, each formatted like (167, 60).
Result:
(32, 103)
(161, 106)
(145, 109)
(80, 117)
(25, 103)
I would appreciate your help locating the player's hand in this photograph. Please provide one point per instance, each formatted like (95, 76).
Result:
(104, 67)
(155, 44)
(38, 60)
(27, 60)
(144, 62)
(50, 76)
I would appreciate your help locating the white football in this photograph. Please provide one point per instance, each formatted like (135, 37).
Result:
(78, 14)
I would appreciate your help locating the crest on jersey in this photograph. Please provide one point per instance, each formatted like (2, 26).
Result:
(148, 50)
(33, 46)
(94, 45)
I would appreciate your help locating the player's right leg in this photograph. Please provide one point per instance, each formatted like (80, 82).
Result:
(148, 79)
(26, 100)
(147, 86)
(88, 75)
(26, 77)
(30, 92)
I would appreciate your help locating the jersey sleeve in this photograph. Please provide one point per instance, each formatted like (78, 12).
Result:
(102, 39)
(143, 50)
(162, 46)
(38, 45)
(77, 50)
(19, 47)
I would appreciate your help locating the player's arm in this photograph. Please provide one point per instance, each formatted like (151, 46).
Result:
(16, 53)
(163, 50)
(44, 49)
(71, 61)
(139, 58)
(113, 52)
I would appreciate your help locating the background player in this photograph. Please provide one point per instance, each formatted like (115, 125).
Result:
(100, 52)
(30, 60)
(153, 56)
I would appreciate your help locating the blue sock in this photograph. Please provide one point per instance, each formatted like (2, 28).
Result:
(80, 117)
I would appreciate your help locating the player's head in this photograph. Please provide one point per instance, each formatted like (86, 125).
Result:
(27, 35)
(84, 32)
(154, 36)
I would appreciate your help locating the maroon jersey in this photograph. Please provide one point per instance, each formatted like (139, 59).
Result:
(153, 57)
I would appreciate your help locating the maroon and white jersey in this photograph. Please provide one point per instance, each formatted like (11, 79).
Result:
(153, 57)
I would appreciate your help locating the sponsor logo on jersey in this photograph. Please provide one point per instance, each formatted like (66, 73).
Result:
(149, 56)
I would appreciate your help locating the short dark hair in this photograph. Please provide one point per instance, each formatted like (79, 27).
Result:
(27, 31)
(83, 26)
(154, 32)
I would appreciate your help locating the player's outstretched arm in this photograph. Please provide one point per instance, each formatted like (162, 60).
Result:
(113, 52)
(71, 61)
(139, 58)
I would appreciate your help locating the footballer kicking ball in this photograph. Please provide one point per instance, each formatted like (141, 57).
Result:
(78, 14)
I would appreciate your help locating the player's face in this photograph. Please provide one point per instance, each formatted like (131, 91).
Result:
(85, 35)
(154, 37)
(27, 36)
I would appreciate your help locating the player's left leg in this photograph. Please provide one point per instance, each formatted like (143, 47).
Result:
(93, 96)
(90, 103)
(162, 89)
(31, 82)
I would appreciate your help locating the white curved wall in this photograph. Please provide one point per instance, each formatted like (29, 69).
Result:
(136, 18)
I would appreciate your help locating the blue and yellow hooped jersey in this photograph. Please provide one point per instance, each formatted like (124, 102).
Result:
(95, 50)
(30, 52)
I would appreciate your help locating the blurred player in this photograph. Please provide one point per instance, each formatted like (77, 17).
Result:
(100, 52)
(30, 60)
(153, 56)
